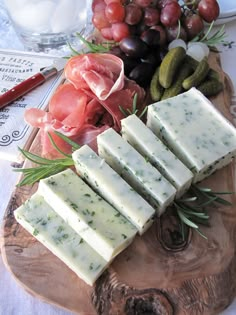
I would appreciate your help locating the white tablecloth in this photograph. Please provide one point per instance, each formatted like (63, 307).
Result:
(13, 299)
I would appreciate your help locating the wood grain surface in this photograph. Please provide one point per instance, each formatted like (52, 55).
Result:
(157, 274)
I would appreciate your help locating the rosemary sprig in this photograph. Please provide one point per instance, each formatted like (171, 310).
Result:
(91, 46)
(211, 40)
(190, 216)
(192, 211)
(72, 143)
(210, 197)
(46, 166)
(34, 174)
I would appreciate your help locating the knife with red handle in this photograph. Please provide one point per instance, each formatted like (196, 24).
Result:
(31, 83)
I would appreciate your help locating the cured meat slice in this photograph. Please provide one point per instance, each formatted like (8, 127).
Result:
(103, 74)
(68, 105)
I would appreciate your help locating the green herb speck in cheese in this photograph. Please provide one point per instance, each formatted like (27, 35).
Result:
(87, 195)
(74, 206)
(60, 229)
(124, 236)
(98, 266)
(38, 220)
(36, 232)
(52, 182)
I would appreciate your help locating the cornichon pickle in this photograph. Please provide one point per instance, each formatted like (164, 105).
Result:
(198, 76)
(169, 65)
(156, 90)
(176, 88)
(212, 74)
(210, 87)
(193, 63)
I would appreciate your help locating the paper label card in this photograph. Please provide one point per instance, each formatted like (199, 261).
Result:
(15, 67)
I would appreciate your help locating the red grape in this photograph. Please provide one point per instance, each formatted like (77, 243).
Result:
(107, 33)
(193, 25)
(120, 31)
(174, 31)
(170, 14)
(110, 1)
(99, 19)
(115, 12)
(162, 3)
(143, 3)
(99, 6)
(151, 16)
(209, 10)
(133, 14)
(97, 2)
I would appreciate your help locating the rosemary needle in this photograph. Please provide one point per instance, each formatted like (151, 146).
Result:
(134, 111)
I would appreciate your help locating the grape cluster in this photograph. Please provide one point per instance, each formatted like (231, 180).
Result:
(117, 19)
(143, 28)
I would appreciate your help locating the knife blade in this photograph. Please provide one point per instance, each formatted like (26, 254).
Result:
(32, 82)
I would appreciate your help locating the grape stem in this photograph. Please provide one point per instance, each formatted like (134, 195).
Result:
(186, 4)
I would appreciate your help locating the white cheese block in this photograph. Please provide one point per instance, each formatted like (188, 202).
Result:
(40, 220)
(150, 146)
(98, 223)
(195, 131)
(112, 187)
(133, 167)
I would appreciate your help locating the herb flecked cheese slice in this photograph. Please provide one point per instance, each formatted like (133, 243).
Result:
(150, 146)
(40, 220)
(97, 222)
(112, 187)
(195, 131)
(138, 172)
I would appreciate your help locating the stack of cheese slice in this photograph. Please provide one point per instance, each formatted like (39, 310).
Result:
(92, 218)
(74, 206)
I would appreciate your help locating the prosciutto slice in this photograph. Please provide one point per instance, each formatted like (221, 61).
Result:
(103, 74)
(88, 103)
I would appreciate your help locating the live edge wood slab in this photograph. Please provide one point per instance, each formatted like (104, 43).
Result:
(158, 274)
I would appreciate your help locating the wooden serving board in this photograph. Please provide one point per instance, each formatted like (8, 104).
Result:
(158, 274)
